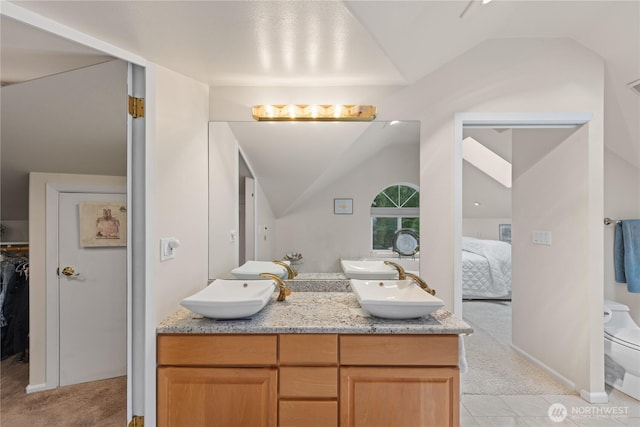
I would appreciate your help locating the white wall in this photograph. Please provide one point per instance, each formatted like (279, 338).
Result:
(181, 186)
(71, 122)
(37, 257)
(483, 228)
(552, 195)
(504, 76)
(223, 200)
(322, 237)
(622, 186)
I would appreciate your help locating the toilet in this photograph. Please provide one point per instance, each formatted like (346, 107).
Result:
(621, 349)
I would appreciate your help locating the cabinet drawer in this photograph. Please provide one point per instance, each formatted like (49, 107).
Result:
(316, 382)
(220, 350)
(308, 414)
(308, 349)
(399, 350)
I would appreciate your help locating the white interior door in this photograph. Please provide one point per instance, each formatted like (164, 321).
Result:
(249, 219)
(93, 297)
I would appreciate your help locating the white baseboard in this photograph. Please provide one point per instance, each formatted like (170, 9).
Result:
(597, 397)
(32, 388)
(564, 380)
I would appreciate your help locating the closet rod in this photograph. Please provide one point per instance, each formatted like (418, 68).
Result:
(14, 249)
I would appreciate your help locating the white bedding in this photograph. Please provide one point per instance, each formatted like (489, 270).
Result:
(486, 268)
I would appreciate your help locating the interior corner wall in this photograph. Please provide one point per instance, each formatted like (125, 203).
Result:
(622, 201)
(223, 200)
(37, 262)
(324, 237)
(549, 281)
(182, 111)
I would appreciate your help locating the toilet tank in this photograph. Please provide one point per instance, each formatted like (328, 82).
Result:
(616, 316)
(615, 306)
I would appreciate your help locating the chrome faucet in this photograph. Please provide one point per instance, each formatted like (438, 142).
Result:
(284, 291)
(402, 275)
(421, 283)
(290, 272)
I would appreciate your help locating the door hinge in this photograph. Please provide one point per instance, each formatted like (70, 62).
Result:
(137, 421)
(136, 107)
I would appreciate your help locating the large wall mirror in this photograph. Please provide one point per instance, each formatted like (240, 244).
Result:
(274, 188)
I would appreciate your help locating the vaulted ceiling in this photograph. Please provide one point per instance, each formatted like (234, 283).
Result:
(318, 43)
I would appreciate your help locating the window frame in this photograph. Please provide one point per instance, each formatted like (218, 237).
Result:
(391, 212)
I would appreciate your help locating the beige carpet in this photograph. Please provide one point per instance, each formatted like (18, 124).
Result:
(495, 368)
(95, 404)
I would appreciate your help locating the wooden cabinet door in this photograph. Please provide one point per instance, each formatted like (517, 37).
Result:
(212, 397)
(391, 397)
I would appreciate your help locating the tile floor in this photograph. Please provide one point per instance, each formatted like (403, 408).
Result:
(533, 410)
(498, 411)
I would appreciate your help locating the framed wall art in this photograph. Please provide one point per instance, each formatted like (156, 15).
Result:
(103, 224)
(343, 206)
(504, 232)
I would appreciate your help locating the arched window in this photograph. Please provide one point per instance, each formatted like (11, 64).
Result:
(394, 208)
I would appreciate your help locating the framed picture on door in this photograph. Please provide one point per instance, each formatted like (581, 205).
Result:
(103, 224)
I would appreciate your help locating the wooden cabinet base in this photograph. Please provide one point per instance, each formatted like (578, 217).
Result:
(308, 380)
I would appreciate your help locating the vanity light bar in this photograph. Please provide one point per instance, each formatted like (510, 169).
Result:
(291, 112)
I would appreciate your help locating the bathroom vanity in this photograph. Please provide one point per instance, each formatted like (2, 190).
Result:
(316, 359)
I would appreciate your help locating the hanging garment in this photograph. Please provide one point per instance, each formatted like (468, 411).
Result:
(15, 335)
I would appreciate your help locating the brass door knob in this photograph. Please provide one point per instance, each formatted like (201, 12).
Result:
(69, 271)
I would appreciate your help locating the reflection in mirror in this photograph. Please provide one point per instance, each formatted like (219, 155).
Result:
(246, 212)
(299, 169)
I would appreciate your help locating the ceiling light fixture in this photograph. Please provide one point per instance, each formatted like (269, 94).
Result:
(291, 112)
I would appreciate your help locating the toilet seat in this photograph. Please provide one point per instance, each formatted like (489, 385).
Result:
(628, 337)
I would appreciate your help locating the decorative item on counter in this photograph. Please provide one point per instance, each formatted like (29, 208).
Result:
(294, 258)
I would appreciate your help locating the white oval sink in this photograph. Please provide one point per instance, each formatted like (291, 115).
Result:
(394, 299)
(252, 269)
(231, 299)
(361, 269)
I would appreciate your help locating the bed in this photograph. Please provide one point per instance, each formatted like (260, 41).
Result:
(486, 269)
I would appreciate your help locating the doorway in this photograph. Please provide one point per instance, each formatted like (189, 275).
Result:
(571, 214)
(487, 262)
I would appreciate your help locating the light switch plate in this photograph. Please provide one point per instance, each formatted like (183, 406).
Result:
(167, 249)
(541, 237)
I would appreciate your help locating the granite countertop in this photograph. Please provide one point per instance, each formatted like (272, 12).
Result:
(313, 312)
